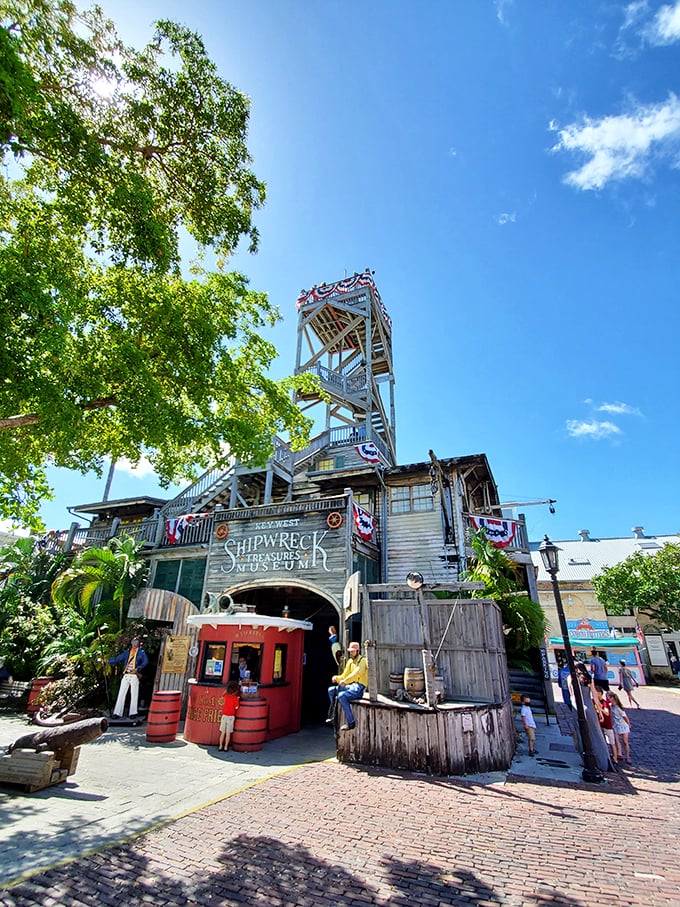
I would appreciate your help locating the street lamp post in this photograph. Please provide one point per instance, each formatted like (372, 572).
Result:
(591, 773)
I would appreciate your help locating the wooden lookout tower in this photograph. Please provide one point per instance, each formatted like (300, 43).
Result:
(345, 338)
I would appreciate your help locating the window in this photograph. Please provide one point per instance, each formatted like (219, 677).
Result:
(213, 662)
(183, 576)
(280, 656)
(364, 499)
(421, 497)
(411, 498)
(331, 463)
(246, 659)
(400, 500)
(368, 569)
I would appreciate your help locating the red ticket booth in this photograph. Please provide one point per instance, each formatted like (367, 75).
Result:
(265, 655)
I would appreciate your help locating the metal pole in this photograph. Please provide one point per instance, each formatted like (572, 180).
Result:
(590, 772)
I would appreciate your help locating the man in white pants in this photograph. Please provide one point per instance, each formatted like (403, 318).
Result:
(135, 660)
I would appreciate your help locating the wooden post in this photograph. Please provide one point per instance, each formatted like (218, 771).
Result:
(68, 544)
(428, 660)
(369, 643)
(429, 672)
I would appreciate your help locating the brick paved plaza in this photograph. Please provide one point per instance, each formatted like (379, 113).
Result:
(330, 834)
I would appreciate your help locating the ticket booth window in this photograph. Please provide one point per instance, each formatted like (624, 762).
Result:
(280, 655)
(245, 657)
(214, 654)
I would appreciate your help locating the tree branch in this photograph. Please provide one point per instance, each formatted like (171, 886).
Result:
(27, 419)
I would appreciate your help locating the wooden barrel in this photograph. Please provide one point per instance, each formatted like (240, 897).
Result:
(163, 718)
(250, 727)
(414, 680)
(396, 681)
(38, 685)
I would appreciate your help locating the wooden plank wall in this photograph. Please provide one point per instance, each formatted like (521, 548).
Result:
(168, 607)
(449, 741)
(467, 632)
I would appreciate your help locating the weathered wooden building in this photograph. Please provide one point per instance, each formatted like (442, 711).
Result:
(308, 533)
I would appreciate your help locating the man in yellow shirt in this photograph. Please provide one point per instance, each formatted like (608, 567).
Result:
(349, 685)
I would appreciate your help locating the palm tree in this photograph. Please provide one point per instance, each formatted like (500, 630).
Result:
(102, 581)
(523, 619)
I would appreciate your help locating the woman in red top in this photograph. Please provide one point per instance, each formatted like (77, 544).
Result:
(229, 709)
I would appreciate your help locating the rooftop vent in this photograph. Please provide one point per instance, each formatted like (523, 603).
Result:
(585, 535)
(638, 532)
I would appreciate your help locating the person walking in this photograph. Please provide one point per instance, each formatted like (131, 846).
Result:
(621, 724)
(598, 669)
(529, 724)
(628, 682)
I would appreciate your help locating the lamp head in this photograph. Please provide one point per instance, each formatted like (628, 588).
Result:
(414, 580)
(549, 555)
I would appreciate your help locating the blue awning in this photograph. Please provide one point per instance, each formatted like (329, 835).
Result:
(623, 642)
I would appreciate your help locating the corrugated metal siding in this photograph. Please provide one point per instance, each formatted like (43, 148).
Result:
(415, 542)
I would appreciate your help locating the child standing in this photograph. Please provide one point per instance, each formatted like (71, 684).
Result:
(621, 724)
(527, 717)
(229, 708)
(603, 705)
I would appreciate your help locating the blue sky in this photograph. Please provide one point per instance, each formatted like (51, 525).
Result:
(511, 172)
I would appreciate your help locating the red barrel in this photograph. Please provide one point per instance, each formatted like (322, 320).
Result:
(163, 719)
(250, 727)
(38, 685)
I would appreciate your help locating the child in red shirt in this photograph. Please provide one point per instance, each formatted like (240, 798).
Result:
(229, 708)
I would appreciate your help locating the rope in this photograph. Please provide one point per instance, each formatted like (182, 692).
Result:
(453, 611)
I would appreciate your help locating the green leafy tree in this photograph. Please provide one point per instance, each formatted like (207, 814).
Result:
(28, 619)
(101, 582)
(523, 618)
(649, 583)
(111, 156)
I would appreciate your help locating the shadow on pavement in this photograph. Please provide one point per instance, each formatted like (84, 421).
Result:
(260, 869)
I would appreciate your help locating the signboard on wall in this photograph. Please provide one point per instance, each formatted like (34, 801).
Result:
(176, 654)
(656, 651)
(302, 544)
(588, 629)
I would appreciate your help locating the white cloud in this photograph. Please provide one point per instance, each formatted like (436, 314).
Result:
(619, 409)
(594, 430)
(620, 147)
(665, 29)
(13, 528)
(500, 9)
(142, 470)
(506, 218)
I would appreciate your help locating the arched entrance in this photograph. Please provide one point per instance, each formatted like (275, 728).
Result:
(301, 603)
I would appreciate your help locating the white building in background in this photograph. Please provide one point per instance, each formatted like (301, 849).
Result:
(583, 558)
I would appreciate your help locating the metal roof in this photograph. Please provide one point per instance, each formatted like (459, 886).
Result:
(581, 560)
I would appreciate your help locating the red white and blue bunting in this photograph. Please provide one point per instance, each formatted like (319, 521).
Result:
(368, 451)
(365, 523)
(326, 290)
(500, 533)
(175, 528)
